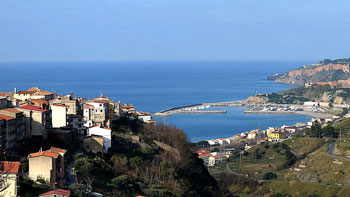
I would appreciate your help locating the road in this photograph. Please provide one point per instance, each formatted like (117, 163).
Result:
(330, 152)
(70, 176)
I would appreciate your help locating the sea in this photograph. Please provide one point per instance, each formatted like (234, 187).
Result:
(153, 86)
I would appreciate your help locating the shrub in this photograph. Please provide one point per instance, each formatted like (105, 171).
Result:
(269, 176)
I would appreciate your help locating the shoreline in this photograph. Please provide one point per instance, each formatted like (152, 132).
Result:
(313, 114)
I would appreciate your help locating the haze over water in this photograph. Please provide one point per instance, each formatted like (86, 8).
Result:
(157, 85)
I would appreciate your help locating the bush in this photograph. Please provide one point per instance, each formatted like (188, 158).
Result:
(266, 146)
(269, 176)
(79, 155)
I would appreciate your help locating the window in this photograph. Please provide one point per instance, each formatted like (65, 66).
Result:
(101, 110)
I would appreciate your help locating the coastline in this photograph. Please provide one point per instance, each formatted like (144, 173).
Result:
(313, 114)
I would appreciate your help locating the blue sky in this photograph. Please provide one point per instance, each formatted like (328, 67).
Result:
(112, 30)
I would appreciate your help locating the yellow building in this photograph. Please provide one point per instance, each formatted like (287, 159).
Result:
(276, 136)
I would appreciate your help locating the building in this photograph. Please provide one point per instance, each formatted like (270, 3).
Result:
(4, 103)
(95, 113)
(56, 193)
(213, 160)
(77, 122)
(64, 137)
(205, 157)
(23, 95)
(47, 165)
(276, 136)
(19, 122)
(37, 120)
(74, 104)
(106, 133)
(42, 94)
(94, 143)
(127, 109)
(59, 115)
(7, 132)
(44, 104)
(10, 181)
(144, 116)
(33, 93)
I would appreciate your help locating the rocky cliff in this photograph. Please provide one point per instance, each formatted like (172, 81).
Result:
(336, 72)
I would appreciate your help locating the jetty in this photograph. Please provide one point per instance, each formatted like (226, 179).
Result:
(199, 108)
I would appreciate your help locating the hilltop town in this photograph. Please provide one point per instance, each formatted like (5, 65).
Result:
(42, 132)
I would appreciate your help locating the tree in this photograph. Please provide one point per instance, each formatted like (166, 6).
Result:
(84, 171)
(329, 131)
(269, 176)
(315, 130)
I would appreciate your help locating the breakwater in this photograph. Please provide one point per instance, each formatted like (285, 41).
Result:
(198, 108)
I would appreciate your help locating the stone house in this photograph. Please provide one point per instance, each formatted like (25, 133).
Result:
(106, 133)
(94, 143)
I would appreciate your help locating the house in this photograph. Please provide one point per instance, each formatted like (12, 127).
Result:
(59, 115)
(42, 94)
(74, 104)
(213, 160)
(106, 133)
(7, 132)
(276, 136)
(47, 165)
(205, 158)
(4, 103)
(19, 122)
(144, 116)
(127, 109)
(221, 141)
(56, 193)
(213, 142)
(44, 104)
(94, 143)
(252, 134)
(77, 122)
(37, 120)
(10, 180)
(95, 112)
(23, 95)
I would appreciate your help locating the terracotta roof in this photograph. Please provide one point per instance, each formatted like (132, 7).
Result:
(205, 155)
(43, 93)
(59, 105)
(3, 117)
(59, 150)
(40, 101)
(6, 93)
(87, 104)
(9, 167)
(32, 107)
(34, 89)
(97, 101)
(25, 92)
(62, 192)
(127, 106)
(12, 110)
(46, 153)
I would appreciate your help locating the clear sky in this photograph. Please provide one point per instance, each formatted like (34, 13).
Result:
(110, 30)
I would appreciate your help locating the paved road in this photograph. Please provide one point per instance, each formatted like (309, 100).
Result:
(330, 152)
(70, 176)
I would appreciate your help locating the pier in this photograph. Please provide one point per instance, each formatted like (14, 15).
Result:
(197, 108)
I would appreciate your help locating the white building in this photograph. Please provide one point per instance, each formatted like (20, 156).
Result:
(310, 104)
(213, 142)
(59, 115)
(106, 133)
(144, 116)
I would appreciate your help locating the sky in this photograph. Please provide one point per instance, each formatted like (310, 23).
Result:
(123, 30)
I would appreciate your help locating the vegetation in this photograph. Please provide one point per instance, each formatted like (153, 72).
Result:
(161, 163)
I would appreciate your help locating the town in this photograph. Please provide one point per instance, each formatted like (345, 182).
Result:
(218, 150)
(42, 132)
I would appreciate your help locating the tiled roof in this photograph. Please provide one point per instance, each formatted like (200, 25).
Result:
(44, 153)
(62, 192)
(42, 93)
(25, 92)
(59, 150)
(12, 110)
(9, 167)
(127, 106)
(3, 117)
(59, 105)
(40, 101)
(32, 107)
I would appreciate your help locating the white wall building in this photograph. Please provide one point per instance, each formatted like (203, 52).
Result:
(59, 115)
(106, 133)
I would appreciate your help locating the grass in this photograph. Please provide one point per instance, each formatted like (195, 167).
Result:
(305, 145)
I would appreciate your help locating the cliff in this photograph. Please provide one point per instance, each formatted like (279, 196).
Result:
(336, 72)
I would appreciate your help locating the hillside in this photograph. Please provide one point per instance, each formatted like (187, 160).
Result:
(145, 159)
(337, 72)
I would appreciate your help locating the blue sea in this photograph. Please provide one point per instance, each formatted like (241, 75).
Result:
(157, 85)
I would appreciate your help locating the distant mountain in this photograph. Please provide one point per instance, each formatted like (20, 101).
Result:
(331, 72)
